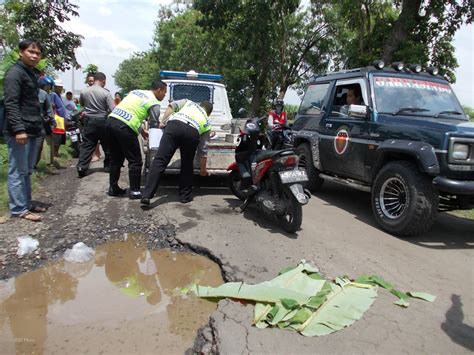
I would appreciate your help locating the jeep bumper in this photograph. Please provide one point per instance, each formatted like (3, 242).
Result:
(457, 187)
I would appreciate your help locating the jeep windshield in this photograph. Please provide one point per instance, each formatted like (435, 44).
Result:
(415, 97)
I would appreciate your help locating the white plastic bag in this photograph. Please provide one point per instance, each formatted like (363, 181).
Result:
(80, 253)
(26, 245)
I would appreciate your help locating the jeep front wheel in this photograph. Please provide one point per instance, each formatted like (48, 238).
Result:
(403, 200)
(306, 162)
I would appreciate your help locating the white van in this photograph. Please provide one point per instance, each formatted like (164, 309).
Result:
(199, 87)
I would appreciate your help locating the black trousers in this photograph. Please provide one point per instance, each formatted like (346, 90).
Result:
(123, 143)
(94, 131)
(176, 135)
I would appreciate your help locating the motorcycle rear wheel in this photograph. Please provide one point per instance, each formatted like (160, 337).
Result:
(291, 220)
(233, 181)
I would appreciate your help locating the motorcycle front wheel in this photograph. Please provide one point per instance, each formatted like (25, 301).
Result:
(291, 219)
(233, 181)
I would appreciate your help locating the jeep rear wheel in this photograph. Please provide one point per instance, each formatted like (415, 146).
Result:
(306, 162)
(403, 200)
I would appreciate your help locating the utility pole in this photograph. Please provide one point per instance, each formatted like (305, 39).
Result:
(72, 81)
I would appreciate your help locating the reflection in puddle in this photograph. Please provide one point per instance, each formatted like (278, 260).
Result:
(125, 300)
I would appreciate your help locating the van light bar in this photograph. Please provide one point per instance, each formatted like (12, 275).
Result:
(432, 70)
(398, 66)
(190, 75)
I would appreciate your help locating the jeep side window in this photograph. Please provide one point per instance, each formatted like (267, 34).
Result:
(313, 100)
(346, 95)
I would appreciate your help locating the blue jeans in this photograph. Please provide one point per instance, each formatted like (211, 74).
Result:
(21, 160)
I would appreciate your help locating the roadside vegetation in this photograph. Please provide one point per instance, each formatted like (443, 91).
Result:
(264, 47)
(43, 172)
(469, 111)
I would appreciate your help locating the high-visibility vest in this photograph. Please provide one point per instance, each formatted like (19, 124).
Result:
(133, 109)
(195, 115)
(60, 125)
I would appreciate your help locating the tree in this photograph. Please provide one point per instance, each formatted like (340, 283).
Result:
(43, 21)
(137, 72)
(412, 31)
(303, 43)
(469, 111)
(90, 69)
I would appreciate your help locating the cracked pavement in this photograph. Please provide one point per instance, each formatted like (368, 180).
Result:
(338, 235)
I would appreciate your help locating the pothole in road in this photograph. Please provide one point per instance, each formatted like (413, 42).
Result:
(125, 300)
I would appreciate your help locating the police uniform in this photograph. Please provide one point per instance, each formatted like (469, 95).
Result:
(183, 130)
(97, 103)
(123, 126)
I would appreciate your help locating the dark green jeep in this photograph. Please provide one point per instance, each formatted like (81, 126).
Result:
(398, 133)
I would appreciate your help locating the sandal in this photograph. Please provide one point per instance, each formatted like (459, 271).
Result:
(38, 209)
(30, 216)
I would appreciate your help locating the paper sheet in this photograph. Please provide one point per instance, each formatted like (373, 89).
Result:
(155, 135)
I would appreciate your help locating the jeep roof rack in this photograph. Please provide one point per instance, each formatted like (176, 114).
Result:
(370, 69)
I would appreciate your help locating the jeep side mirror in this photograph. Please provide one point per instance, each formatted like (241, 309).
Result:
(358, 111)
(242, 113)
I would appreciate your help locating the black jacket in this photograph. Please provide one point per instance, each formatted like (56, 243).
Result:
(22, 106)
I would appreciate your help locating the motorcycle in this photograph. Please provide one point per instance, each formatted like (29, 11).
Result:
(270, 178)
(280, 137)
(73, 131)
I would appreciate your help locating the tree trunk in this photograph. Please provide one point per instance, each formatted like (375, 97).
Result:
(405, 23)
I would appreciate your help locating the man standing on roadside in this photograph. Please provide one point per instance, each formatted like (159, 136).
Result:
(56, 100)
(23, 125)
(97, 103)
(123, 127)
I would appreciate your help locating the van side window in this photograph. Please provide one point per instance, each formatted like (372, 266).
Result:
(346, 95)
(313, 100)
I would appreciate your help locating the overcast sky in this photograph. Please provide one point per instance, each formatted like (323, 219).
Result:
(114, 29)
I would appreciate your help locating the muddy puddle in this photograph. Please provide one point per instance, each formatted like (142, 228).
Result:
(125, 300)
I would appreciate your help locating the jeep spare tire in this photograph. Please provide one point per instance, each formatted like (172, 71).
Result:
(403, 199)
(306, 162)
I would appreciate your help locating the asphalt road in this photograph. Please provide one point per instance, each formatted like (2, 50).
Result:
(338, 235)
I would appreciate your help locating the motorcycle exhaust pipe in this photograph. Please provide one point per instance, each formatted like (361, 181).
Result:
(299, 193)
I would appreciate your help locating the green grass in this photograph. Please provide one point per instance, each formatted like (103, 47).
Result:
(42, 173)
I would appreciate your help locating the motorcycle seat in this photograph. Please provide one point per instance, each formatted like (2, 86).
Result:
(266, 154)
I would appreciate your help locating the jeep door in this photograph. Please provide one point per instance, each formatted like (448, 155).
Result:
(313, 107)
(344, 137)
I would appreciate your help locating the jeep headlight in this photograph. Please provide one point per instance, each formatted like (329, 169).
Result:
(460, 151)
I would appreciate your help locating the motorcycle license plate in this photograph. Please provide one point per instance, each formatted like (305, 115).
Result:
(74, 138)
(290, 176)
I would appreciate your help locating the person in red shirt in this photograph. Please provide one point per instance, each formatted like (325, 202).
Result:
(276, 120)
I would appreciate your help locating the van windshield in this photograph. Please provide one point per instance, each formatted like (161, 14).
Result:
(418, 97)
(194, 92)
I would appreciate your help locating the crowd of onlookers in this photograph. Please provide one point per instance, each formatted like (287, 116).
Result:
(58, 111)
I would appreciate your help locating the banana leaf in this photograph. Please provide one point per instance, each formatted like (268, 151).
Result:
(300, 299)
(403, 297)
(342, 308)
(293, 285)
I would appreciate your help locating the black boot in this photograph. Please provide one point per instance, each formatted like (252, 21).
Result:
(116, 191)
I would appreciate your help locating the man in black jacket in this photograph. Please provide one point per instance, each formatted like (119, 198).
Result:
(23, 125)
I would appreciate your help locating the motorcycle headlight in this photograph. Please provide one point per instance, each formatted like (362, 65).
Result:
(460, 151)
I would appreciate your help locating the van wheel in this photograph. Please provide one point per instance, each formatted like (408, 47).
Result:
(306, 162)
(403, 200)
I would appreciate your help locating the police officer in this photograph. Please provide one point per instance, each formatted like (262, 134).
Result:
(123, 126)
(97, 103)
(187, 128)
